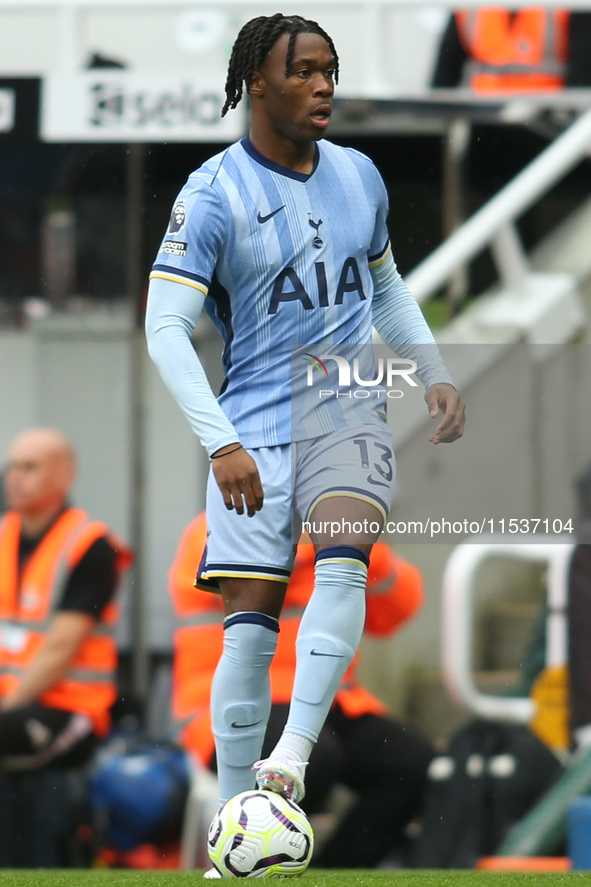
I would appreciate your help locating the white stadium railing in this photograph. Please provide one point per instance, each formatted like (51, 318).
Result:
(494, 223)
(459, 588)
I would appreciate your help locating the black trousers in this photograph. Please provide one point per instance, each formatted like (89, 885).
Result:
(383, 761)
(35, 736)
(42, 794)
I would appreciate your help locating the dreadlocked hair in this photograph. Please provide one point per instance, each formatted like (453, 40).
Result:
(254, 41)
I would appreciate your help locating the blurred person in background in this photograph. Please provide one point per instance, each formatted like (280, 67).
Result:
(562, 691)
(492, 49)
(579, 620)
(383, 761)
(565, 689)
(59, 571)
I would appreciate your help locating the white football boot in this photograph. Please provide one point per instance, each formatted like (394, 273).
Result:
(283, 776)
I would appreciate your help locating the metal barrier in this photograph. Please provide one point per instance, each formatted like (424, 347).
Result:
(458, 598)
(494, 223)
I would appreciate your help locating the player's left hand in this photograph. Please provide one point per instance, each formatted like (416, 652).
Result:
(444, 396)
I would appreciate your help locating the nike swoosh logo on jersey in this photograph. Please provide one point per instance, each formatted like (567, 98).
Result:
(241, 726)
(263, 219)
(332, 655)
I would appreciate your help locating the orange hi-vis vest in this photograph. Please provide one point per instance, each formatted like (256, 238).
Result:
(523, 51)
(27, 606)
(394, 593)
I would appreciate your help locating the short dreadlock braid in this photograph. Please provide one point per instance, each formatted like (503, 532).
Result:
(254, 41)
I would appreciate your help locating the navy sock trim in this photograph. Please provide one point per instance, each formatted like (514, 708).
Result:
(346, 551)
(252, 618)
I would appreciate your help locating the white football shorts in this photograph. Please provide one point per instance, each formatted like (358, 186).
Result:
(355, 462)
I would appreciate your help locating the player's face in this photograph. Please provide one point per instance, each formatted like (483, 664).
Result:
(297, 106)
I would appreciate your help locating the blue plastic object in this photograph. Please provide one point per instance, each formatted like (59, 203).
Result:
(138, 796)
(579, 833)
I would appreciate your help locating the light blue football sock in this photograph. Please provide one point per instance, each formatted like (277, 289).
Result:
(241, 698)
(328, 636)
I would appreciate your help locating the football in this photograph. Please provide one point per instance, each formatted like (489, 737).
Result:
(260, 834)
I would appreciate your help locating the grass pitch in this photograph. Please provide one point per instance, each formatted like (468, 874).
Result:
(312, 878)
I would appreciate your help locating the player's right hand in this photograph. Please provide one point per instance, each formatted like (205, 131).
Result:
(238, 478)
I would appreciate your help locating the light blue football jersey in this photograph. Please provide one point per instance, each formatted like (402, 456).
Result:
(284, 259)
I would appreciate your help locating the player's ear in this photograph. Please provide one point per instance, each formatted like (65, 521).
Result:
(257, 84)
